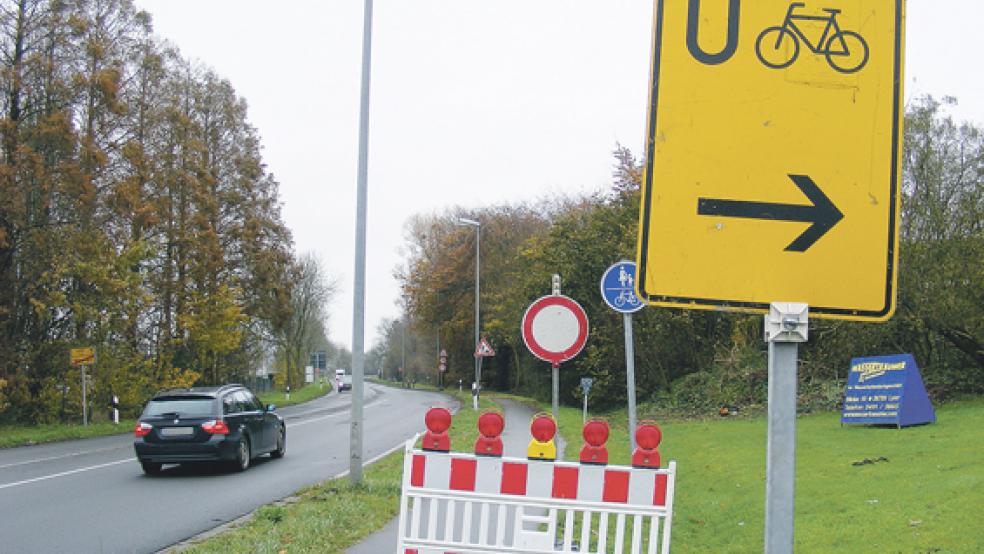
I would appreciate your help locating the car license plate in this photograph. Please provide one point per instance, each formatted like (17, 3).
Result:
(177, 431)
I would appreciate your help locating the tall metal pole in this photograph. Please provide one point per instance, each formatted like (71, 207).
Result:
(85, 404)
(555, 369)
(630, 379)
(478, 359)
(781, 450)
(555, 390)
(785, 326)
(478, 251)
(403, 341)
(359, 290)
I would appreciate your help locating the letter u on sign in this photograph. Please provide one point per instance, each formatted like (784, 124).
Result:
(693, 27)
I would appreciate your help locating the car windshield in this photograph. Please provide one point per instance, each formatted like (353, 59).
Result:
(184, 406)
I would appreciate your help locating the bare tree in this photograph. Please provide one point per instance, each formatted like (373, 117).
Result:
(306, 328)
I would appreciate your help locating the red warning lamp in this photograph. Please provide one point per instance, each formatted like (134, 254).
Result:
(648, 436)
(595, 435)
(542, 447)
(543, 428)
(438, 421)
(490, 426)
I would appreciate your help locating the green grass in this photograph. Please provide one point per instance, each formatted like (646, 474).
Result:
(336, 514)
(23, 435)
(927, 496)
(298, 396)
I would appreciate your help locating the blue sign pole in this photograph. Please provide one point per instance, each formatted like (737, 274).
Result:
(618, 291)
(585, 390)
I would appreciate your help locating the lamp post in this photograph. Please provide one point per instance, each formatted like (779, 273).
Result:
(403, 339)
(478, 249)
(359, 289)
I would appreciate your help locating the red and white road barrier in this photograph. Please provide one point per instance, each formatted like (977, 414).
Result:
(459, 503)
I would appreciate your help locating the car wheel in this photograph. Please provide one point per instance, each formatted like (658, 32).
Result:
(281, 444)
(242, 454)
(151, 468)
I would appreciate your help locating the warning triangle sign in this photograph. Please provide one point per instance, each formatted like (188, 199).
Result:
(484, 349)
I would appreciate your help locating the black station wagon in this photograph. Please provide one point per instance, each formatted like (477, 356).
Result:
(207, 424)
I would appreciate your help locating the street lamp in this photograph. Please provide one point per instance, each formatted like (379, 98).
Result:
(403, 338)
(478, 242)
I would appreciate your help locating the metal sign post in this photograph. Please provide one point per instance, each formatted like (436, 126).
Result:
(586, 383)
(618, 291)
(85, 405)
(81, 357)
(630, 390)
(555, 329)
(785, 327)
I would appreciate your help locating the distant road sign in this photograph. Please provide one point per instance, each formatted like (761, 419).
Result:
(586, 383)
(618, 288)
(773, 157)
(484, 349)
(555, 328)
(82, 356)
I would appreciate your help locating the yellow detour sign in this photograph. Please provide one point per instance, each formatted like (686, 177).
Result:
(83, 356)
(773, 156)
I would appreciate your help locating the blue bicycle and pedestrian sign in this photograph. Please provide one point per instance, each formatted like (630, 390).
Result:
(618, 288)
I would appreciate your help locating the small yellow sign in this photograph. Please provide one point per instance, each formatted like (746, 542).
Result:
(773, 156)
(83, 356)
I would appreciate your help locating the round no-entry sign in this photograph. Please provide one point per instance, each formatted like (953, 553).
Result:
(555, 328)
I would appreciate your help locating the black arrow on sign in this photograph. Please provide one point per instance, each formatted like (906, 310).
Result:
(821, 213)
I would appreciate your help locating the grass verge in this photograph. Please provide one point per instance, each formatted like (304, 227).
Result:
(26, 435)
(920, 490)
(334, 515)
(279, 398)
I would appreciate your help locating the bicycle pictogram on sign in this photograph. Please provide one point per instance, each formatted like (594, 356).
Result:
(846, 51)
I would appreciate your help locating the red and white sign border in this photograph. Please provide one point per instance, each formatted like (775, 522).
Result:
(539, 351)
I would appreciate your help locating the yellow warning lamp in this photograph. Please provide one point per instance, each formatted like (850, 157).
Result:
(542, 447)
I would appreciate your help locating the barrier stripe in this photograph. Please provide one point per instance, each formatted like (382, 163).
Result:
(437, 471)
(462, 474)
(590, 483)
(564, 482)
(489, 475)
(514, 478)
(536, 479)
(616, 486)
(659, 496)
(539, 479)
(641, 484)
(417, 470)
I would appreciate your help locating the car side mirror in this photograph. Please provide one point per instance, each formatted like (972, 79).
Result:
(271, 407)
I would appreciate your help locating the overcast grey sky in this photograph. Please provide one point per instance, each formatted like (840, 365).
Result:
(473, 103)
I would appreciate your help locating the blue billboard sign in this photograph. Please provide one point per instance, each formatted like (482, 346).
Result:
(886, 390)
(618, 288)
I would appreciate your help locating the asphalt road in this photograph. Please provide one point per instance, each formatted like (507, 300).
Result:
(91, 495)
